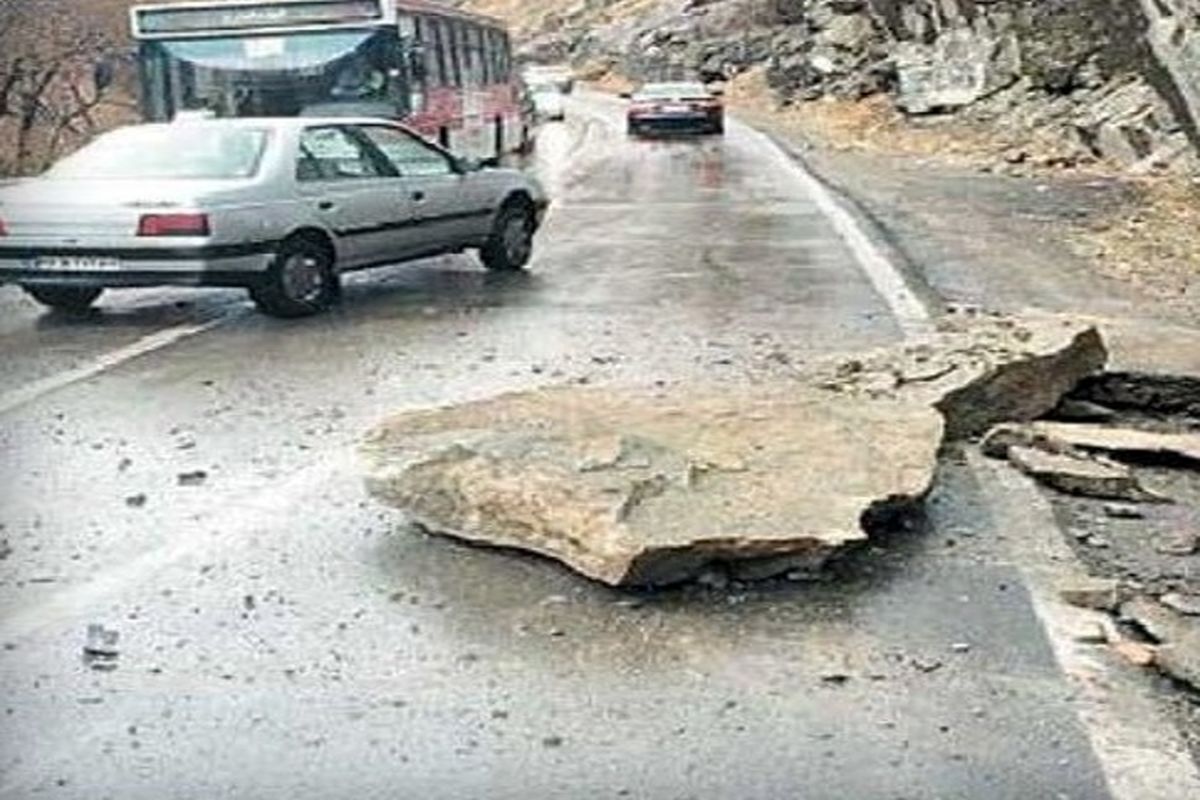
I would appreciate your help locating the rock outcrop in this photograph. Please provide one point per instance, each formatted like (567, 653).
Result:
(651, 486)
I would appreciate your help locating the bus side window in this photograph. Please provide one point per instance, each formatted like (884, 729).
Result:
(435, 68)
(488, 50)
(496, 42)
(475, 47)
(459, 37)
(505, 56)
(455, 57)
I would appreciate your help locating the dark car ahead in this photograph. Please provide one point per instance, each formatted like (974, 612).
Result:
(675, 108)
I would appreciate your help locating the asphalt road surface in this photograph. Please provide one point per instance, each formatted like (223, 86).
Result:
(283, 636)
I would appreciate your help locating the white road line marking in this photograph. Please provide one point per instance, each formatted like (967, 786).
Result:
(910, 311)
(20, 396)
(1142, 755)
(238, 517)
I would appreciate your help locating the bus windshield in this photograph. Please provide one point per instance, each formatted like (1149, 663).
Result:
(344, 72)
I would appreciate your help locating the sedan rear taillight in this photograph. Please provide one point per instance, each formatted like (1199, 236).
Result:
(173, 225)
(3, 228)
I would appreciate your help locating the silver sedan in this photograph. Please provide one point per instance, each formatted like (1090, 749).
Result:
(278, 206)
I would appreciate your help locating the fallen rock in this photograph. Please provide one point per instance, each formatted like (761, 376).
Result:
(1179, 653)
(1100, 594)
(1186, 604)
(1177, 543)
(1123, 511)
(651, 487)
(194, 478)
(1091, 633)
(978, 369)
(1083, 477)
(100, 649)
(654, 486)
(1000, 439)
(1123, 442)
(1136, 653)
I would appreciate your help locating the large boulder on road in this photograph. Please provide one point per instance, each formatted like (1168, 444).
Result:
(650, 487)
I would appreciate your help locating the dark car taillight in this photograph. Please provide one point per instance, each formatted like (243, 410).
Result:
(3, 228)
(173, 225)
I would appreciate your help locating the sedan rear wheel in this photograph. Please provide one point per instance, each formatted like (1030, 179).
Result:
(75, 299)
(510, 247)
(300, 281)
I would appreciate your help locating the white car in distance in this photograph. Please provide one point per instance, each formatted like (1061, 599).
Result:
(549, 102)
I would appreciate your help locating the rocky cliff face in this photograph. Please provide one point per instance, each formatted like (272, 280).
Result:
(1114, 79)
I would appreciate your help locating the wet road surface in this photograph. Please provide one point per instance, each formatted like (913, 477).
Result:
(282, 636)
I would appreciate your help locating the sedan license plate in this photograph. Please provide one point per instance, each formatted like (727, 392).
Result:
(676, 109)
(77, 263)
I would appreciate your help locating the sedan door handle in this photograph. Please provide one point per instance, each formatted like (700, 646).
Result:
(418, 197)
(326, 205)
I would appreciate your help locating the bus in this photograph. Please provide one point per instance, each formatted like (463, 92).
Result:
(446, 73)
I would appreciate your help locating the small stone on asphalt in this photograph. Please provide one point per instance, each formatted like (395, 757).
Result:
(1123, 511)
(194, 478)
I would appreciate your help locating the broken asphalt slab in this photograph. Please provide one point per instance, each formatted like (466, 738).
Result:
(652, 486)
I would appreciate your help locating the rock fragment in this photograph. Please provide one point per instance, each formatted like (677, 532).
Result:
(1186, 604)
(194, 478)
(1123, 511)
(1182, 448)
(1178, 655)
(978, 369)
(1136, 653)
(1100, 594)
(100, 649)
(1079, 476)
(1177, 543)
(1092, 633)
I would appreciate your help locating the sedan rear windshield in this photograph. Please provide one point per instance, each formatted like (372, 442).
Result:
(166, 152)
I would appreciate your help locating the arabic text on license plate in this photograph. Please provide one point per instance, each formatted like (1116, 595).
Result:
(677, 109)
(78, 263)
